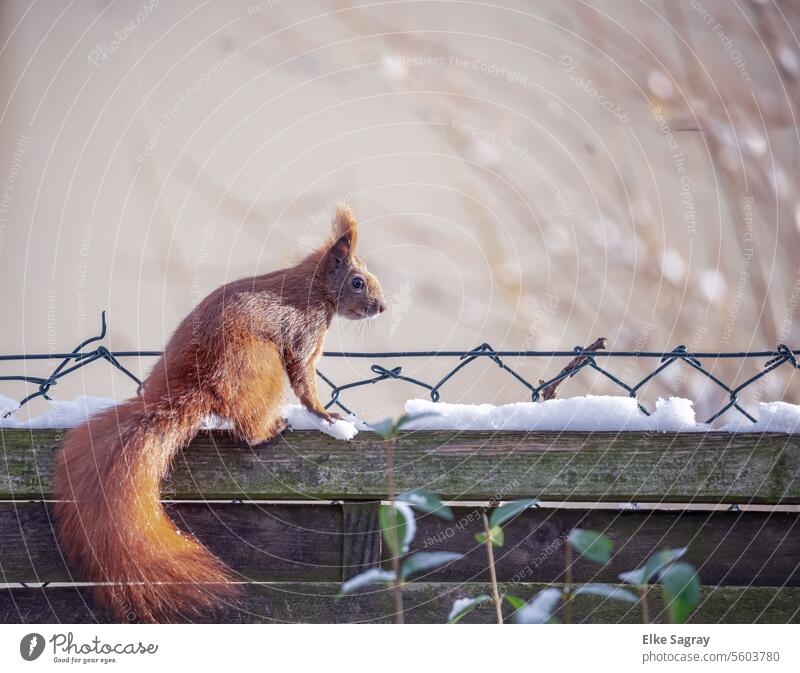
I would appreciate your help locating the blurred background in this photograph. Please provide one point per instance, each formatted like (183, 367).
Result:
(530, 175)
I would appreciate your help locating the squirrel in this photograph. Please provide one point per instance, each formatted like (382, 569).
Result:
(230, 357)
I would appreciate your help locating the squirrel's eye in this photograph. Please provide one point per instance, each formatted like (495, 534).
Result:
(357, 283)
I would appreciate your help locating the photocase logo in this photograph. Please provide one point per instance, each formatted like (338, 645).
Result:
(31, 646)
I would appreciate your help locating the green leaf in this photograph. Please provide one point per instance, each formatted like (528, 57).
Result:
(405, 419)
(385, 428)
(390, 428)
(681, 591)
(607, 591)
(510, 510)
(591, 545)
(426, 560)
(371, 576)
(398, 526)
(652, 566)
(428, 502)
(495, 534)
(514, 601)
(540, 610)
(464, 606)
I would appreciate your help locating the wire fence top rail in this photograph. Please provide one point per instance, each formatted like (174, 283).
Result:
(450, 353)
(582, 358)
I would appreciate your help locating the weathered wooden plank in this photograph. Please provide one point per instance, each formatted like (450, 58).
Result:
(600, 467)
(424, 603)
(258, 541)
(361, 541)
(727, 548)
(288, 542)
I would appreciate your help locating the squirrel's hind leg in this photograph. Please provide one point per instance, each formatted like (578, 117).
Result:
(261, 435)
(255, 401)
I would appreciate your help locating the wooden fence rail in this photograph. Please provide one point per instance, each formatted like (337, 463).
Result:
(320, 524)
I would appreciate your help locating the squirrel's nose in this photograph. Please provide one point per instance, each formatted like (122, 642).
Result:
(381, 307)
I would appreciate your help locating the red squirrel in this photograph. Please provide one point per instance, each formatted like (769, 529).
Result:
(230, 357)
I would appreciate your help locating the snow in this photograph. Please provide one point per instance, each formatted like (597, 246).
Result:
(68, 414)
(62, 413)
(301, 418)
(591, 413)
(772, 417)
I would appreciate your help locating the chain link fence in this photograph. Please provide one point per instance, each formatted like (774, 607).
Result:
(581, 358)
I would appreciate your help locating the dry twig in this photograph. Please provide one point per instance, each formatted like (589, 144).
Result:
(549, 392)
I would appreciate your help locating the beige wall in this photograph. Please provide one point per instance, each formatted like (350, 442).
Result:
(153, 154)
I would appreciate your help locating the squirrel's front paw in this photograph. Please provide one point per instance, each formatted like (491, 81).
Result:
(330, 417)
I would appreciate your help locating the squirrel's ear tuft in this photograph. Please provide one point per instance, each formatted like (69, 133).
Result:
(344, 232)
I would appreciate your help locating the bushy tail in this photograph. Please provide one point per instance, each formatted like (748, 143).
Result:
(112, 525)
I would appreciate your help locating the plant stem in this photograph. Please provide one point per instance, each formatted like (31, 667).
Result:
(567, 583)
(643, 604)
(397, 591)
(498, 602)
(397, 584)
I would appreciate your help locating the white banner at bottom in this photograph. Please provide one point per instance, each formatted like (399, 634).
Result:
(389, 648)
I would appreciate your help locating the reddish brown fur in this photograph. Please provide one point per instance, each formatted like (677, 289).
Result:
(230, 357)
